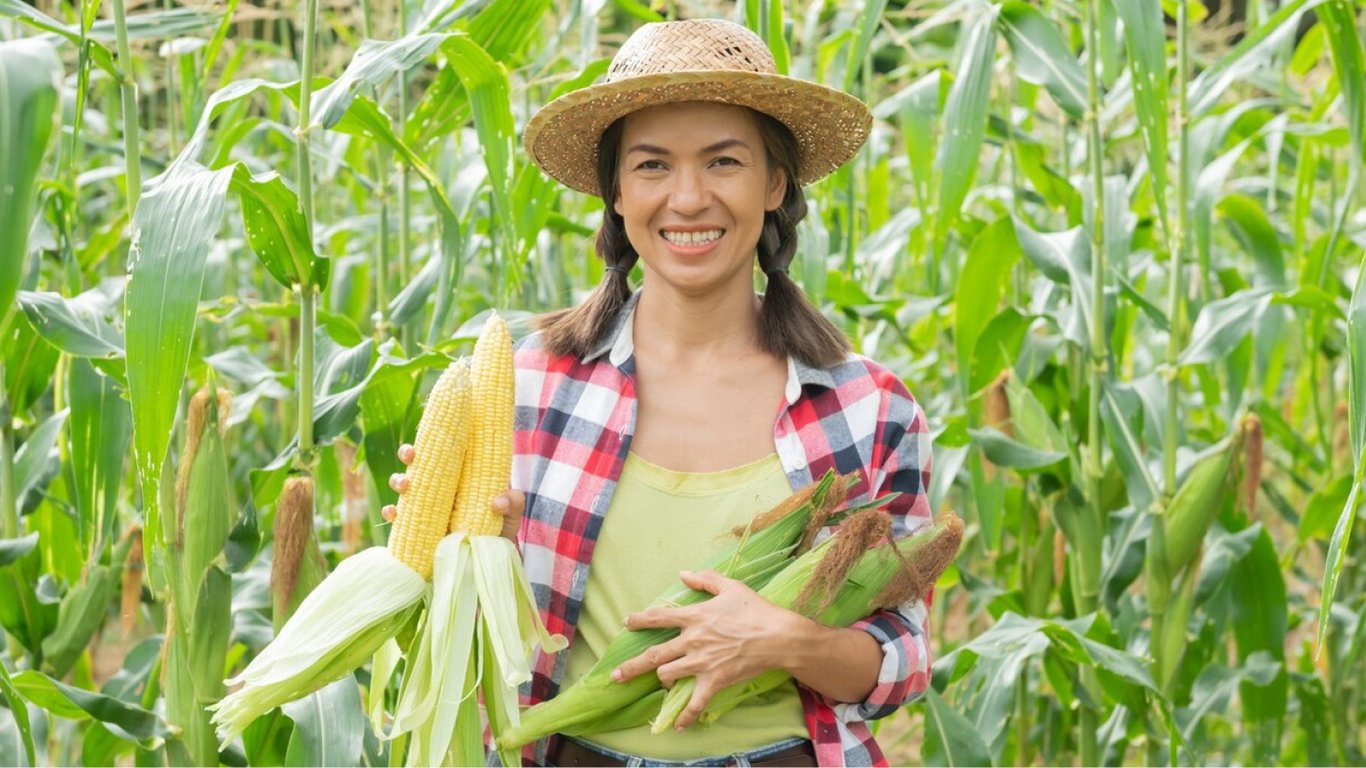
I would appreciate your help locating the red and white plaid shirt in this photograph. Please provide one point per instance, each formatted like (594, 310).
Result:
(575, 420)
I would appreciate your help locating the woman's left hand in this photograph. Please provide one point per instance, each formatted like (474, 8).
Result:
(728, 639)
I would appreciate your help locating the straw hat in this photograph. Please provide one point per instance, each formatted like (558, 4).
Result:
(697, 60)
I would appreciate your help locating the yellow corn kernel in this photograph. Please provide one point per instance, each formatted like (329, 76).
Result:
(488, 466)
(443, 435)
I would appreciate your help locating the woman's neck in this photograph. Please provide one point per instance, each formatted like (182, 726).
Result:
(678, 326)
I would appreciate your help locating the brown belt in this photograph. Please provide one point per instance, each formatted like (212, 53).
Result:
(568, 754)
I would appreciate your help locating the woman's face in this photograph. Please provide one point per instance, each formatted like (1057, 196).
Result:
(694, 185)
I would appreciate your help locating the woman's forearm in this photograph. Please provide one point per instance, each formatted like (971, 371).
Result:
(836, 662)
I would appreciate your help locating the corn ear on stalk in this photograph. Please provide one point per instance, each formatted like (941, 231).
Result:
(595, 702)
(881, 576)
(1198, 500)
(372, 595)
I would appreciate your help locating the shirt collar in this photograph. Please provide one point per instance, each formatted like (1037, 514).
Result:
(618, 343)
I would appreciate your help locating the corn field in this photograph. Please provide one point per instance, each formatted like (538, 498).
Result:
(1114, 247)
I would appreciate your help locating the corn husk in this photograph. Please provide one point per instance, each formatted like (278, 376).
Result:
(882, 576)
(759, 551)
(336, 628)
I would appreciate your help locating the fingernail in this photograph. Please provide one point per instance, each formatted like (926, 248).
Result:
(616, 675)
(500, 503)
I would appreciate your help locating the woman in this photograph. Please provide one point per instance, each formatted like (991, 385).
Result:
(650, 422)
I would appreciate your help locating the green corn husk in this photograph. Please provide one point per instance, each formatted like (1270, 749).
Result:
(335, 630)
(878, 579)
(755, 557)
(1198, 502)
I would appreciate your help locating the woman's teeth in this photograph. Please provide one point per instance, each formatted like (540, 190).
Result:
(692, 238)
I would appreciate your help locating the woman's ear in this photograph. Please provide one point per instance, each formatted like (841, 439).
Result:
(777, 190)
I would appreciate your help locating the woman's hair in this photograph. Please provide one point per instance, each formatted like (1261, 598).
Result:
(789, 324)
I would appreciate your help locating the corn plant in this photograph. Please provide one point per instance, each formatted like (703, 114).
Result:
(1114, 247)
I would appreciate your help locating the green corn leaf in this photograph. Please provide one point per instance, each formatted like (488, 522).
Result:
(1250, 53)
(981, 285)
(1260, 626)
(99, 432)
(328, 726)
(1339, 17)
(1145, 39)
(965, 116)
(951, 739)
(13, 549)
(1005, 452)
(1252, 228)
(177, 218)
(1222, 325)
(82, 326)
(18, 708)
(1356, 417)
(36, 462)
(30, 81)
(1042, 56)
(276, 229)
(870, 18)
(81, 613)
(125, 720)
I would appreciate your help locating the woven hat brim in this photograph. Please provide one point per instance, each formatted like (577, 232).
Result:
(829, 124)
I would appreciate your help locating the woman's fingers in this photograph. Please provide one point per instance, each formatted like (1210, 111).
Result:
(388, 512)
(654, 657)
(405, 453)
(701, 695)
(510, 504)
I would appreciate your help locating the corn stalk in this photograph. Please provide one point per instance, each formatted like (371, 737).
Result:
(309, 290)
(1086, 558)
(132, 153)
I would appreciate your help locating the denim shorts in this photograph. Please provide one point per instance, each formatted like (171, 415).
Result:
(741, 759)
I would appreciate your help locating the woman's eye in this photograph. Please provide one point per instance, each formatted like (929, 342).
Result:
(725, 161)
(650, 165)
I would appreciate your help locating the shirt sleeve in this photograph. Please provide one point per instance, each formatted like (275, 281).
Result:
(902, 632)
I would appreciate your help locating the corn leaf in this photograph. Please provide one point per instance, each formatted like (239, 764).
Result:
(965, 116)
(1356, 416)
(99, 431)
(1250, 52)
(125, 720)
(18, 707)
(36, 462)
(950, 739)
(82, 326)
(1339, 18)
(1042, 56)
(1145, 39)
(328, 726)
(981, 285)
(30, 78)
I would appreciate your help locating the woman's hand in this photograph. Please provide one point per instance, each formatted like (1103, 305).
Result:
(510, 504)
(728, 639)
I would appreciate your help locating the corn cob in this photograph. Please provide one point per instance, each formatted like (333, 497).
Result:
(442, 436)
(346, 619)
(488, 467)
(881, 577)
(761, 550)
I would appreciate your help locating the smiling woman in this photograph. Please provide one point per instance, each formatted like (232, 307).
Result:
(652, 421)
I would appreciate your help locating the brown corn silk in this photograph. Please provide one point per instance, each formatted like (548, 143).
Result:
(131, 589)
(293, 529)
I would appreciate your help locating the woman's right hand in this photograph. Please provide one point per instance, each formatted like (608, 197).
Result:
(510, 503)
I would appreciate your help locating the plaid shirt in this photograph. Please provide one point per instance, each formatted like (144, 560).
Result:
(575, 419)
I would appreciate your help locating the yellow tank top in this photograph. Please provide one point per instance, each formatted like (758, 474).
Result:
(661, 522)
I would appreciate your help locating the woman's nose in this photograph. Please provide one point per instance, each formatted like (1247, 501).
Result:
(690, 193)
